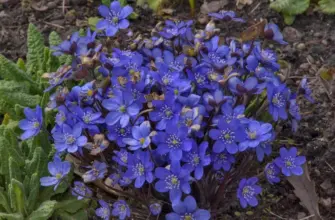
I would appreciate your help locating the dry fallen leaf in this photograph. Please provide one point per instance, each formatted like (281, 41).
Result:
(241, 3)
(213, 6)
(304, 189)
(254, 31)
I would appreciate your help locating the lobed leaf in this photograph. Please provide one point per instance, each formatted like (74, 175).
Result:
(327, 6)
(10, 71)
(35, 54)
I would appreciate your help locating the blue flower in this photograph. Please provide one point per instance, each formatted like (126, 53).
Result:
(265, 148)
(305, 90)
(289, 162)
(121, 108)
(58, 169)
(271, 172)
(249, 86)
(222, 160)
(141, 136)
(69, 47)
(173, 141)
(233, 115)
(114, 18)
(227, 136)
(226, 16)
(188, 210)
(104, 211)
(121, 157)
(247, 192)
(81, 191)
(90, 118)
(164, 76)
(140, 168)
(117, 133)
(192, 119)
(272, 32)
(155, 208)
(70, 139)
(196, 159)
(33, 123)
(266, 57)
(294, 111)
(256, 133)
(97, 171)
(121, 209)
(215, 99)
(277, 98)
(175, 181)
(165, 111)
(180, 30)
(57, 78)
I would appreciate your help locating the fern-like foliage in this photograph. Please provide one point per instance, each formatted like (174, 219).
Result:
(290, 8)
(327, 6)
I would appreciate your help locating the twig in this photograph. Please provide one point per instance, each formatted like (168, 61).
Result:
(254, 9)
(268, 211)
(55, 25)
(330, 166)
(307, 217)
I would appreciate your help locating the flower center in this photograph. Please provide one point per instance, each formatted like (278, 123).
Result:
(69, 139)
(115, 20)
(172, 182)
(122, 109)
(173, 141)
(289, 162)
(139, 169)
(142, 140)
(58, 176)
(89, 92)
(122, 208)
(222, 157)
(36, 124)
(166, 112)
(187, 216)
(87, 118)
(278, 100)
(105, 213)
(227, 136)
(252, 135)
(248, 192)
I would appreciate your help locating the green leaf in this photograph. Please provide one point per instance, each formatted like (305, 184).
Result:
(4, 155)
(297, 7)
(10, 71)
(46, 57)
(20, 64)
(44, 212)
(106, 2)
(92, 22)
(327, 6)
(14, 216)
(133, 16)
(17, 196)
(35, 54)
(20, 98)
(14, 171)
(38, 163)
(72, 205)
(280, 5)
(288, 19)
(5, 107)
(155, 5)
(54, 39)
(34, 187)
(13, 149)
(13, 86)
(82, 215)
(4, 201)
(123, 2)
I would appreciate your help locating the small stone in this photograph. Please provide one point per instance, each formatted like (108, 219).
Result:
(301, 46)
(327, 203)
(310, 59)
(326, 184)
(301, 215)
(324, 42)
(291, 34)
(304, 66)
(291, 196)
(317, 34)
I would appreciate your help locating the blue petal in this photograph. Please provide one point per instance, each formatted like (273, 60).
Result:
(175, 195)
(190, 203)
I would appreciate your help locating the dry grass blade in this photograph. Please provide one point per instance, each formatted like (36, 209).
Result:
(304, 189)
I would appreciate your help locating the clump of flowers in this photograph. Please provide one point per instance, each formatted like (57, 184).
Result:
(172, 123)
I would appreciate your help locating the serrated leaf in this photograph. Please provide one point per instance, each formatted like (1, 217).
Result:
(35, 44)
(280, 5)
(44, 212)
(13, 86)
(14, 170)
(327, 6)
(17, 196)
(54, 39)
(37, 163)
(13, 216)
(4, 155)
(4, 201)
(288, 19)
(297, 7)
(10, 71)
(46, 57)
(92, 22)
(13, 148)
(20, 98)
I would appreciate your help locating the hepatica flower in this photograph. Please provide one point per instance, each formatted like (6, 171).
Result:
(104, 211)
(69, 139)
(121, 108)
(174, 180)
(140, 168)
(58, 169)
(188, 209)
(196, 159)
(121, 157)
(272, 172)
(81, 191)
(33, 123)
(155, 208)
(227, 136)
(305, 90)
(117, 133)
(256, 133)
(226, 16)
(114, 18)
(289, 162)
(294, 111)
(272, 32)
(97, 171)
(247, 192)
(141, 136)
(173, 141)
(222, 160)
(277, 98)
(121, 209)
